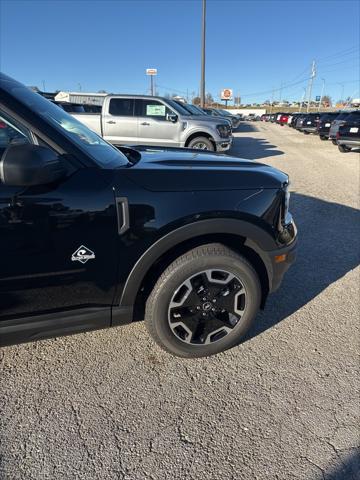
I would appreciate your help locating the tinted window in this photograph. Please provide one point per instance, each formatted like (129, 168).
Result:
(353, 117)
(152, 109)
(342, 116)
(121, 107)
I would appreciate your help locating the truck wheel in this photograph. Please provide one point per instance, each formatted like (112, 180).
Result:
(201, 143)
(344, 148)
(322, 137)
(334, 142)
(204, 302)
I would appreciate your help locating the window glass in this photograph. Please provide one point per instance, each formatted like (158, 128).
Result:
(11, 133)
(121, 107)
(153, 109)
(353, 117)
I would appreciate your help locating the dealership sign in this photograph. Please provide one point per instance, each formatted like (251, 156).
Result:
(151, 71)
(226, 94)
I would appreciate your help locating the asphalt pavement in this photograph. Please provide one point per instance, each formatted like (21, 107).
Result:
(282, 405)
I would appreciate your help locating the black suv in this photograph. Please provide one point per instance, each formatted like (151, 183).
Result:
(324, 124)
(310, 122)
(348, 135)
(93, 236)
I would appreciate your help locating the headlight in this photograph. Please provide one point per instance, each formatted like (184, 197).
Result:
(286, 203)
(223, 130)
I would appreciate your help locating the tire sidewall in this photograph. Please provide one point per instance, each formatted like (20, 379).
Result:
(160, 307)
(205, 140)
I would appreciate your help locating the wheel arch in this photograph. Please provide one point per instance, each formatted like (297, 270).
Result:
(243, 237)
(200, 134)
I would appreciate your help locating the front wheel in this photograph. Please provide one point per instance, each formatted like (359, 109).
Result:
(334, 142)
(204, 302)
(344, 148)
(322, 137)
(202, 143)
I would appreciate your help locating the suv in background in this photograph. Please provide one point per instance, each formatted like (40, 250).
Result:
(324, 124)
(335, 124)
(198, 112)
(310, 123)
(348, 134)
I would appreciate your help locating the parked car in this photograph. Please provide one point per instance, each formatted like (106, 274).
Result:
(324, 124)
(310, 123)
(348, 134)
(299, 121)
(213, 112)
(336, 123)
(235, 119)
(198, 112)
(156, 121)
(93, 236)
(283, 119)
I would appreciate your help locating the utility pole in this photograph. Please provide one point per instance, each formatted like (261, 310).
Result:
(43, 82)
(203, 38)
(152, 85)
(322, 93)
(311, 81)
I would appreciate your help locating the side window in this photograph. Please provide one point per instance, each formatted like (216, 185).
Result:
(121, 107)
(10, 132)
(152, 109)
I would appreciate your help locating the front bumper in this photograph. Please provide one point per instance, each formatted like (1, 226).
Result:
(224, 145)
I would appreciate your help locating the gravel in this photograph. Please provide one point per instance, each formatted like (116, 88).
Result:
(282, 405)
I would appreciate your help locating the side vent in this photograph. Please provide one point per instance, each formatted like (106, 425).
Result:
(122, 212)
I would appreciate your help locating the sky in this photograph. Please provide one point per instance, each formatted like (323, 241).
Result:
(253, 47)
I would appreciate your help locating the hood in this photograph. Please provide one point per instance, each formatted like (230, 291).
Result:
(179, 169)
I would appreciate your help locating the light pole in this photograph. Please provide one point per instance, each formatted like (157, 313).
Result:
(322, 93)
(313, 75)
(203, 38)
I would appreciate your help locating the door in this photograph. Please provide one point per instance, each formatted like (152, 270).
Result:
(58, 243)
(154, 124)
(120, 126)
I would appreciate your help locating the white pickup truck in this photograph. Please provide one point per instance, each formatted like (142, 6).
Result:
(145, 120)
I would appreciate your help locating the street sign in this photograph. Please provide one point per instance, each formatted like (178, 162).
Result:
(318, 98)
(226, 94)
(151, 71)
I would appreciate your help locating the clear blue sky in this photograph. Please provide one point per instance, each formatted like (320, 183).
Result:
(252, 46)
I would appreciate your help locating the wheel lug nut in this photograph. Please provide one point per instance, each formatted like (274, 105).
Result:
(214, 301)
(198, 308)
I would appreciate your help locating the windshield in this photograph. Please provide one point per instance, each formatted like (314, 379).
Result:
(193, 109)
(223, 112)
(104, 154)
(178, 108)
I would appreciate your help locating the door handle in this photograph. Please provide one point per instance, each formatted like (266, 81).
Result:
(144, 123)
(111, 121)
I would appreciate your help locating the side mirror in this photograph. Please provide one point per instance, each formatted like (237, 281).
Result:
(172, 117)
(26, 165)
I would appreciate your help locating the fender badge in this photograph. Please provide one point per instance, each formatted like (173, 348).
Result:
(82, 254)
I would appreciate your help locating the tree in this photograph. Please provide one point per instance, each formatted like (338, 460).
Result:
(196, 101)
(326, 100)
(237, 100)
(209, 98)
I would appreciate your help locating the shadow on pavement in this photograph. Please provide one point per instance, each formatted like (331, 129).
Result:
(348, 470)
(253, 148)
(246, 127)
(328, 248)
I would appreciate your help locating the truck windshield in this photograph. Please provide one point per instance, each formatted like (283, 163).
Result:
(104, 154)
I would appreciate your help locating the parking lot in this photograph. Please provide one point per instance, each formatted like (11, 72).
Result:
(282, 405)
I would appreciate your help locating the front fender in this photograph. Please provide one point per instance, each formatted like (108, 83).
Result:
(255, 238)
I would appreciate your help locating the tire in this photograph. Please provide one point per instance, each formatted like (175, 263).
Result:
(202, 143)
(228, 279)
(322, 137)
(334, 142)
(306, 133)
(344, 149)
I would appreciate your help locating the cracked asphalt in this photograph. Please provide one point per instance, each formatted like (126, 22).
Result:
(282, 405)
